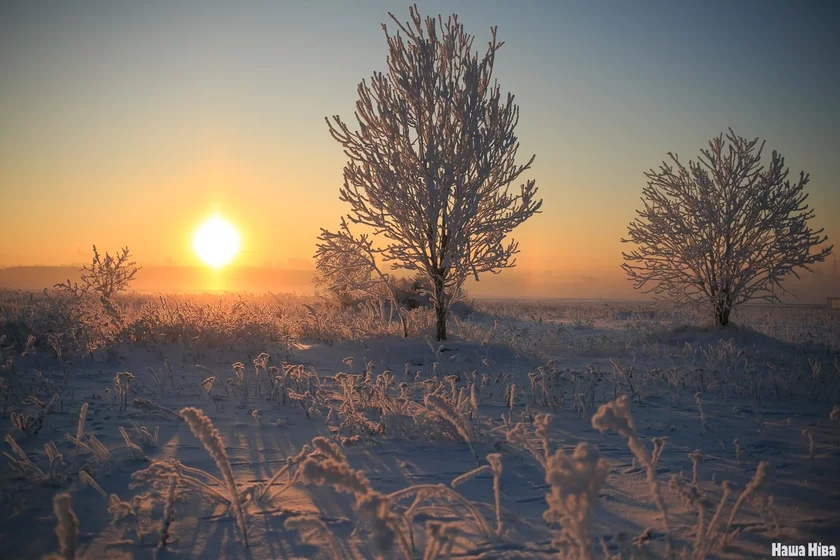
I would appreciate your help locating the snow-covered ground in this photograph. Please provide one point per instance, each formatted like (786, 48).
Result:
(726, 400)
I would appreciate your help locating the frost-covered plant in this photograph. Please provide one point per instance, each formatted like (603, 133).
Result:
(494, 466)
(658, 447)
(347, 268)
(152, 407)
(440, 538)
(739, 452)
(216, 380)
(157, 475)
(723, 230)
(207, 385)
(443, 206)
(261, 490)
(758, 483)
(133, 449)
(698, 399)
(616, 416)
(110, 275)
(100, 455)
(80, 428)
(448, 412)
(118, 509)
(88, 480)
(695, 457)
(626, 374)
(241, 380)
(156, 376)
(58, 472)
(67, 528)
(539, 445)
(812, 446)
(168, 512)
(31, 424)
(147, 438)
(575, 482)
(711, 534)
(122, 383)
(23, 464)
(689, 494)
(260, 362)
(202, 428)
(328, 466)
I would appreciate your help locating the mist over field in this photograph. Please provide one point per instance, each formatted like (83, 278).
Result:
(516, 283)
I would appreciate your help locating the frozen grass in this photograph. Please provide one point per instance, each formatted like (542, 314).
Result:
(323, 433)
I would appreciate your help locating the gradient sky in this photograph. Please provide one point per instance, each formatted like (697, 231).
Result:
(128, 123)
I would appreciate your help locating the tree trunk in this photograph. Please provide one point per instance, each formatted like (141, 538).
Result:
(440, 307)
(404, 324)
(722, 310)
(401, 316)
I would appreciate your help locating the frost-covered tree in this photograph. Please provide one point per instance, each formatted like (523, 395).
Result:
(105, 276)
(434, 154)
(346, 266)
(723, 230)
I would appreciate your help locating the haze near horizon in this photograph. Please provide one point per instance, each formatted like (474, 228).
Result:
(133, 124)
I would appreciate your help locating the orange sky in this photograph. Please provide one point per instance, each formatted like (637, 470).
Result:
(130, 125)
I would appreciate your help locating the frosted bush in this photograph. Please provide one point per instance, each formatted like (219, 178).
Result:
(575, 482)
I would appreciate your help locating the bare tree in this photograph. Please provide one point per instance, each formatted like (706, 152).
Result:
(723, 230)
(435, 153)
(105, 276)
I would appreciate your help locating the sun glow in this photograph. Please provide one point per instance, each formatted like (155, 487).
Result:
(216, 242)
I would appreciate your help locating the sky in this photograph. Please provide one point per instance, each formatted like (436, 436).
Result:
(128, 123)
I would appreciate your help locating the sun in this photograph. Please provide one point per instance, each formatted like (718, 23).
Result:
(216, 242)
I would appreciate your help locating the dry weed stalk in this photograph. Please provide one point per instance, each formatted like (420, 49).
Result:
(759, 481)
(147, 438)
(327, 465)
(80, 429)
(261, 490)
(168, 512)
(812, 447)
(695, 457)
(494, 467)
(67, 528)
(202, 428)
(739, 452)
(616, 416)
(152, 407)
(445, 409)
(122, 383)
(133, 449)
(22, 464)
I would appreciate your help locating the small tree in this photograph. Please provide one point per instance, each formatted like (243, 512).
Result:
(104, 277)
(347, 268)
(435, 153)
(723, 230)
